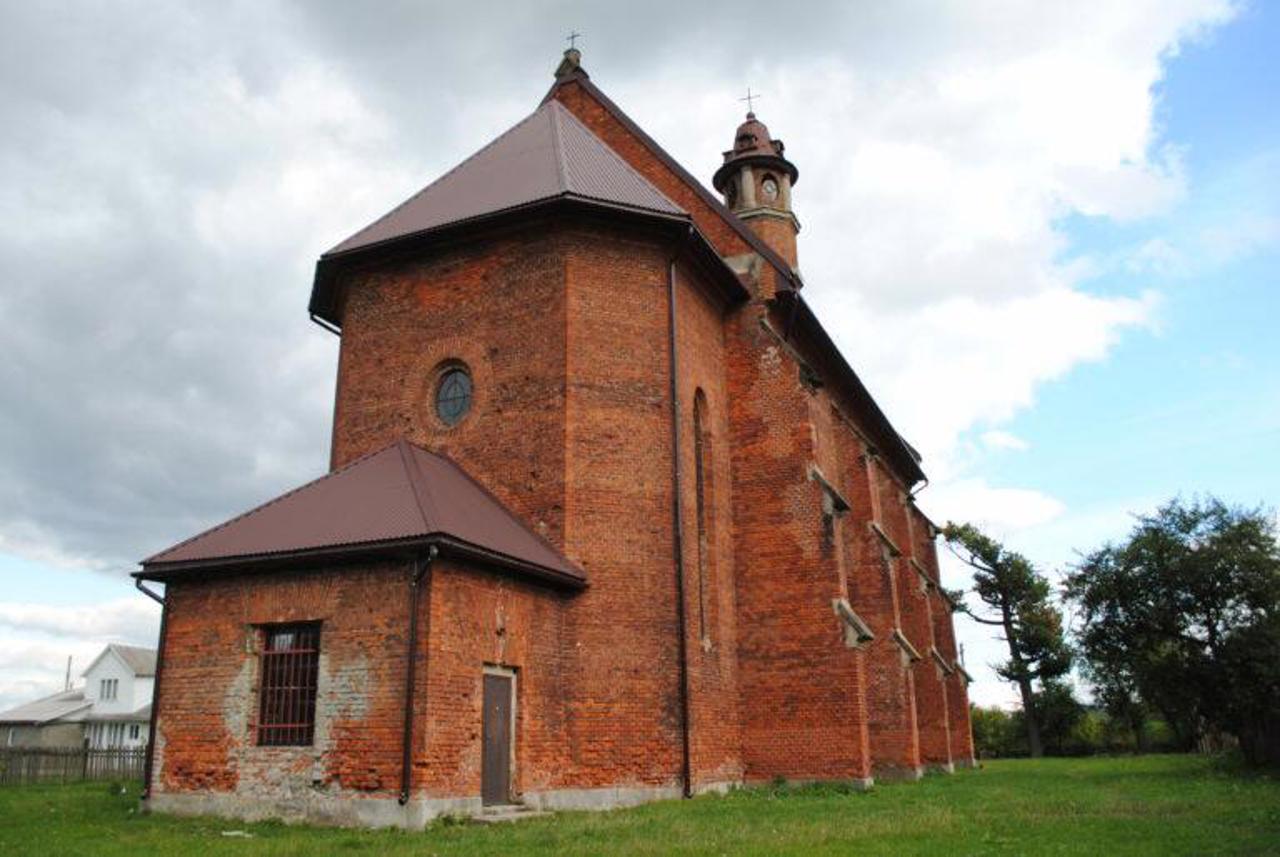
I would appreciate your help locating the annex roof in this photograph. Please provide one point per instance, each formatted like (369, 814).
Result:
(142, 662)
(401, 495)
(546, 155)
(50, 708)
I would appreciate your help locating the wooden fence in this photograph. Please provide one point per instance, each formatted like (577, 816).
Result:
(66, 765)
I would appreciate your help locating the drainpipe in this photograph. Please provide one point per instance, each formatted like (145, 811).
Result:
(916, 493)
(678, 518)
(420, 568)
(155, 689)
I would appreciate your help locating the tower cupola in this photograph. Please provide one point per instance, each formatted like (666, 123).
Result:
(755, 181)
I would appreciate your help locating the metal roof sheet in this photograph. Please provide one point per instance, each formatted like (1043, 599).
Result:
(398, 493)
(548, 154)
(141, 661)
(49, 708)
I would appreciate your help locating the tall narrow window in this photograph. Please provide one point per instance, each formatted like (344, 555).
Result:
(701, 455)
(287, 689)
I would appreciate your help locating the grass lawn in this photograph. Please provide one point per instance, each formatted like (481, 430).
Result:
(1162, 805)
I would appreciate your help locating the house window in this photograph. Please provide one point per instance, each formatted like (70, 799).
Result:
(134, 731)
(287, 691)
(108, 688)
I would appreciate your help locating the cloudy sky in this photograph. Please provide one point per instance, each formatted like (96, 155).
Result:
(1045, 234)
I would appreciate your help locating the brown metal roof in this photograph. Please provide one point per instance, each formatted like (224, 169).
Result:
(400, 494)
(548, 154)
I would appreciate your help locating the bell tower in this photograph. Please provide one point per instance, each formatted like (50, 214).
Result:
(755, 181)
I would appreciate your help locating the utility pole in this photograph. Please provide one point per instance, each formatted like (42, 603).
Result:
(66, 685)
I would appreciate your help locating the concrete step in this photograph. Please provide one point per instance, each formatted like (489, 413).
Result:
(507, 812)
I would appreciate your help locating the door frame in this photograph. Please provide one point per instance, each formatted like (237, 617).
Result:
(510, 673)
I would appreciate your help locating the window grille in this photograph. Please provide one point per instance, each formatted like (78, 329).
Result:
(287, 691)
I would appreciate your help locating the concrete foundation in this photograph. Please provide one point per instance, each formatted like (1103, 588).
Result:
(896, 773)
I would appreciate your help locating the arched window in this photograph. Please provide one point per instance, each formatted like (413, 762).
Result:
(702, 506)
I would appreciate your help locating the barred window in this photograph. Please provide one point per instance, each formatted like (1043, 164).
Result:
(287, 690)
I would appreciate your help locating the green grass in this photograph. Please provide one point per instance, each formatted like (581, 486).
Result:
(1163, 805)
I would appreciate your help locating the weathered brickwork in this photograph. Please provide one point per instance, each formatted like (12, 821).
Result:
(496, 305)
(206, 739)
(817, 641)
(803, 709)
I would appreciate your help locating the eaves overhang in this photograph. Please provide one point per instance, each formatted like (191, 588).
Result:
(896, 448)
(392, 549)
(326, 297)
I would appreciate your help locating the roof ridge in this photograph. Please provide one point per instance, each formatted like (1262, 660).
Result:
(557, 146)
(421, 497)
(477, 153)
(501, 505)
(267, 504)
(605, 147)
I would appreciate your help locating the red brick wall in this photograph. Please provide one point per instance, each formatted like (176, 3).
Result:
(748, 354)
(894, 740)
(917, 622)
(779, 234)
(712, 626)
(473, 619)
(803, 707)
(208, 698)
(625, 703)
(468, 619)
(499, 306)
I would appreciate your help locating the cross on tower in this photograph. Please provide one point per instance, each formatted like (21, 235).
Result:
(572, 39)
(749, 99)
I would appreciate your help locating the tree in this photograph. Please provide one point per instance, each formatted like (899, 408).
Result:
(1059, 712)
(995, 733)
(1016, 598)
(1183, 617)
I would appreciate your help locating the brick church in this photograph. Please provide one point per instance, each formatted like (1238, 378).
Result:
(608, 519)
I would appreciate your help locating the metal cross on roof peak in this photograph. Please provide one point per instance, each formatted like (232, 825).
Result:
(572, 39)
(750, 99)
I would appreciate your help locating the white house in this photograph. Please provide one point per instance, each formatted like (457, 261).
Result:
(111, 710)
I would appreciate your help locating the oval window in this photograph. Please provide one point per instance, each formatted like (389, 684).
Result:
(453, 395)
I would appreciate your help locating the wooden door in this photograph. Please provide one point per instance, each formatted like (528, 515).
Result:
(495, 770)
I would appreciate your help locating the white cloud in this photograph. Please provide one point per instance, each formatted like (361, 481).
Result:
(999, 439)
(198, 159)
(122, 619)
(998, 511)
